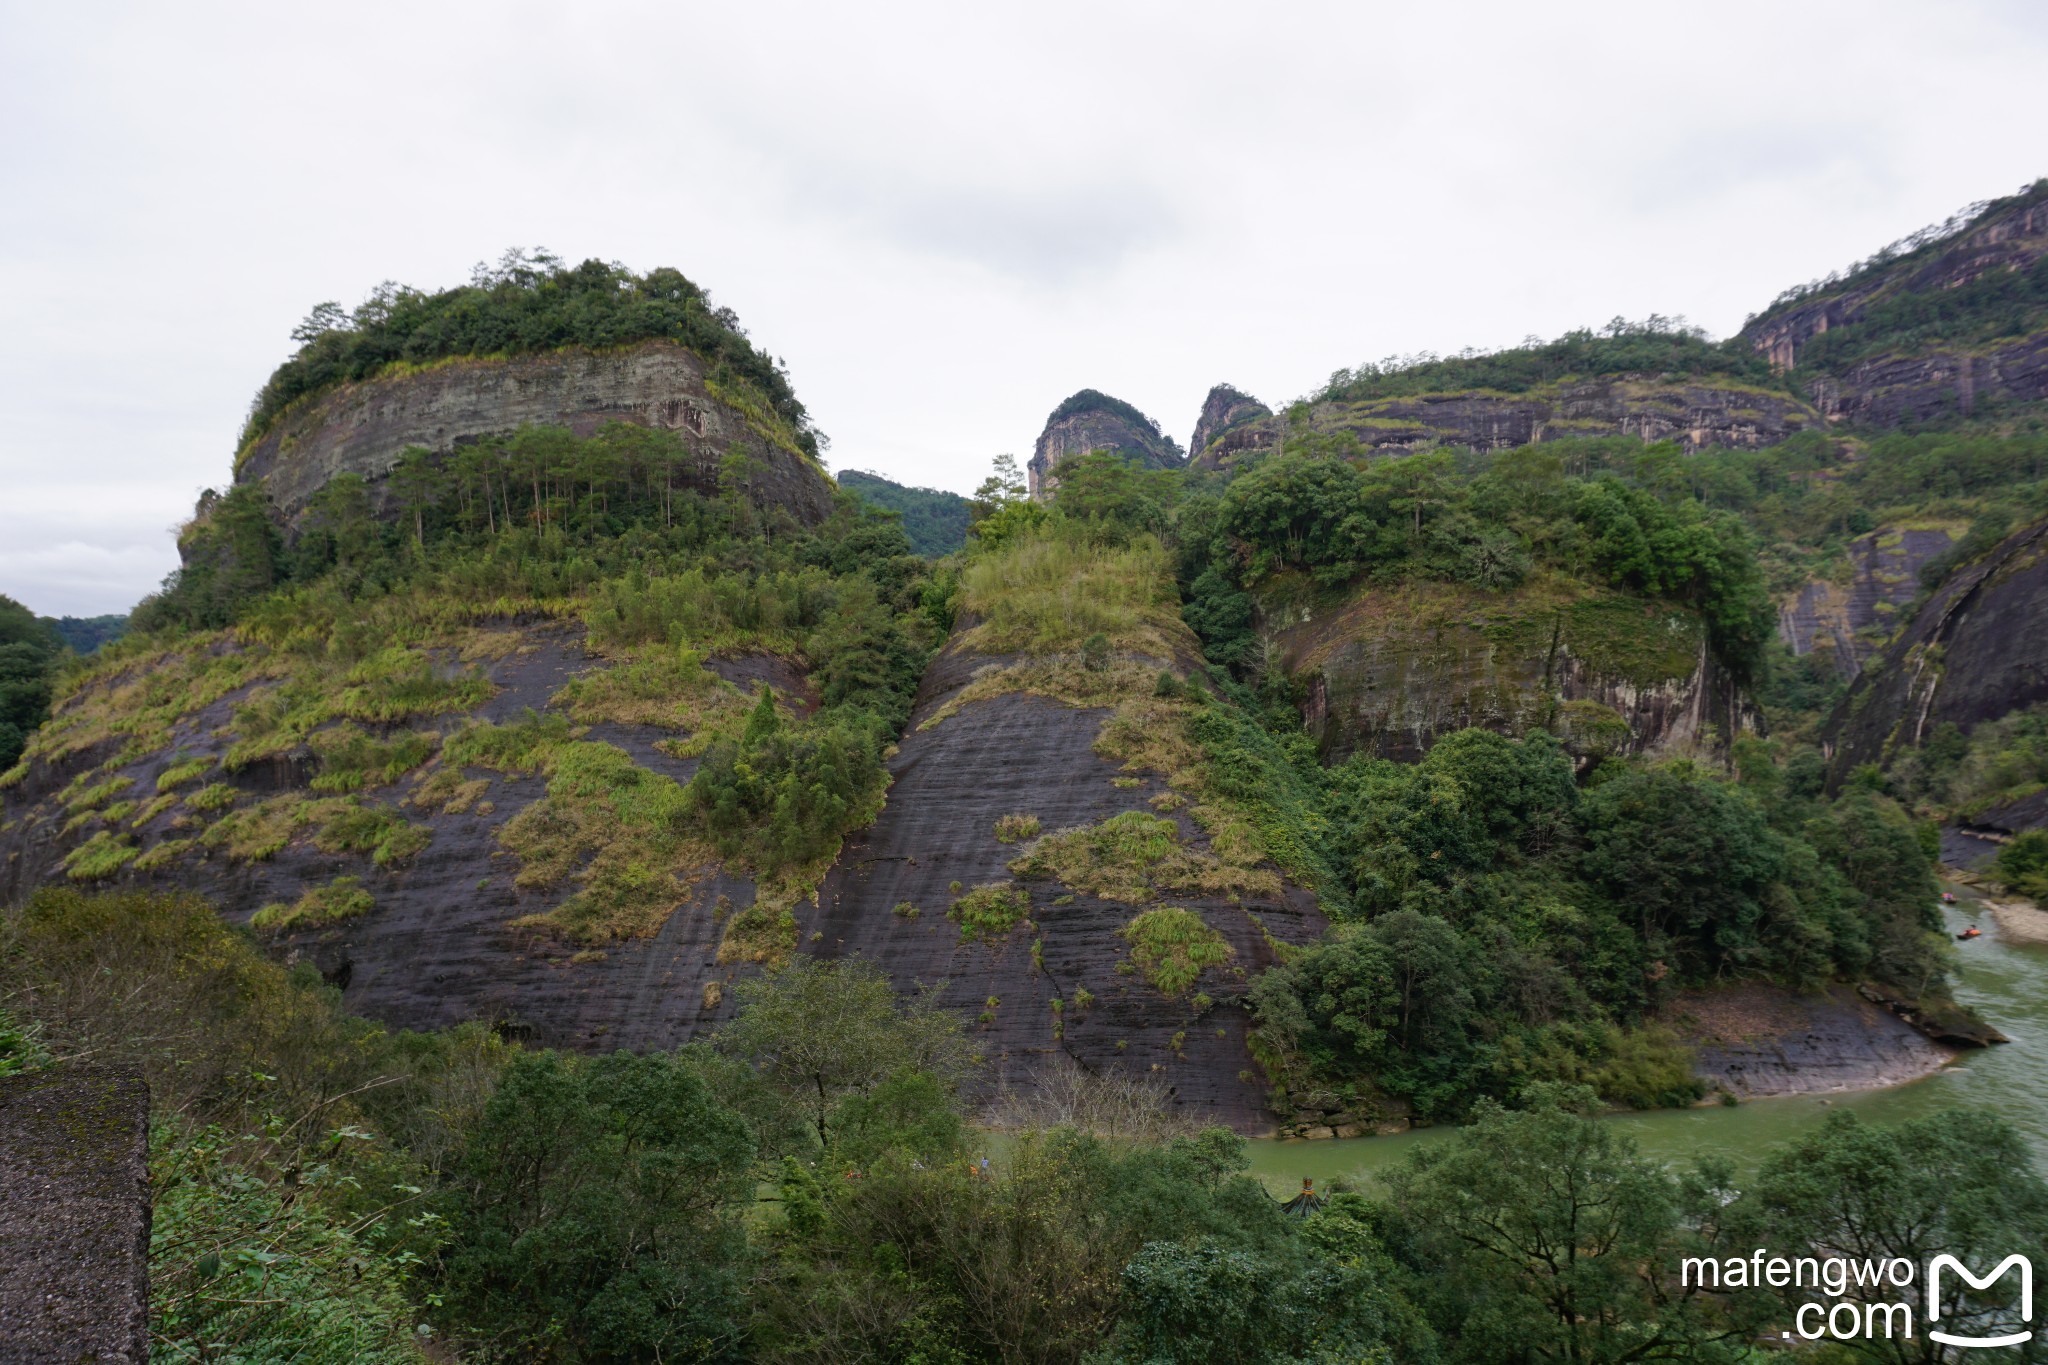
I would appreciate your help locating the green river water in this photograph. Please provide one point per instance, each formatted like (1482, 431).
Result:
(2006, 983)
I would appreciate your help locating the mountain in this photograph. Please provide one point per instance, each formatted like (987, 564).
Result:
(1951, 322)
(531, 672)
(87, 633)
(1225, 410)
(1091, 420)
(935, 520)
(1653, 381)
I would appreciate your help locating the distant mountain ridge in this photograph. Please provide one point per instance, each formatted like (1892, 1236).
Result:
(934, 520)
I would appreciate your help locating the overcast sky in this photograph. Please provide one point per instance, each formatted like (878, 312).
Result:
(945, 217)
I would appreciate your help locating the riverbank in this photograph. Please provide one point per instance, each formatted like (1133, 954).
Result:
(2017, 920)
(1753, 1041)
(2002, 981)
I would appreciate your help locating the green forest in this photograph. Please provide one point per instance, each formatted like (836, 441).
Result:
(934, 521)
(807, 1185)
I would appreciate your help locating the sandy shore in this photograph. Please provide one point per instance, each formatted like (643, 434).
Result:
(2019, 921)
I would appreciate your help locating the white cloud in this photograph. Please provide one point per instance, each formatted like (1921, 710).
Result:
(946, 217)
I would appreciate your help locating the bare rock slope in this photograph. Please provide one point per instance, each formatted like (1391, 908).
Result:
(1059, 989)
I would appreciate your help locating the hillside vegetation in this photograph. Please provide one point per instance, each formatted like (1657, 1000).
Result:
(935, 521)
(806, 1187)
(1655, 346)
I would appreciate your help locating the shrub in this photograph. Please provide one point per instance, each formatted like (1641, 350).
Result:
(351, 759)
(178, 774)
(1045, 594)
(212, 797)
(1012, 828)
(2023, 864)
(990, 910)
(1173, 947)
(343, 898)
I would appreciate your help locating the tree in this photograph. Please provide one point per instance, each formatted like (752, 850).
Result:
(826, 1032)
(1295, 511)
(417, 481)
(1958, 1183)
(1547, 1237)
(598, 1213)
(1692, 856)
(1216, 1300)
(28, 648)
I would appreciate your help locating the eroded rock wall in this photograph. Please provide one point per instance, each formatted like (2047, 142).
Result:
(362, 428)
(1976, 651)
(1391, 671)
(1914, 382)
(1021, 754)
(2010, 238)
(1848, 618)
(1696, 413)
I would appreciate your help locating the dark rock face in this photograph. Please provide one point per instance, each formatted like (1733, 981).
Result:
(1018, 754)
(1914, 382)
(1896, 390)
(1976, 651)
(1095, 421)
(440, 947)
(1753, 1041)
(74, 1216)
(1850, 621)
(1223, 411)
(363, 428)
(2010, 238)
(1391, 672)
(1696, 413)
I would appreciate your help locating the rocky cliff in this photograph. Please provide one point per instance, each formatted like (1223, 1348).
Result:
(362, 428)
(1059, 991)
(1224, 411)
(2002, 237)
(1389, 671)
(1088, 421)
(1848, 617)
(1698, 412)
(1949, 323)
(463, 906)
(1976, 651)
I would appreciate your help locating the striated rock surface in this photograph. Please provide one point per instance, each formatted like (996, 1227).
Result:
(1389, 671)
(74, 1216)
(2005, 237)
(1904, 377)
(1020, 754)
(1849, 618)
(441, 944)
(439, 947)
(362, 428)
(1091, 420)
(1756, 1040)
(1695, 412)
(1976, 651)
(1936, 383)
(1224, 411)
